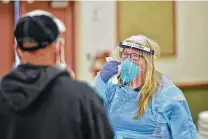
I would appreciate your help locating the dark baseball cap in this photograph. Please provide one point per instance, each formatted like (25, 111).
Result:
(40, 29)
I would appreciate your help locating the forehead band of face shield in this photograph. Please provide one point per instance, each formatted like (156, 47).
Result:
(124, 44)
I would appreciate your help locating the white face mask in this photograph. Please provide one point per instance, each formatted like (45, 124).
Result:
(60, 56)
(17, 61)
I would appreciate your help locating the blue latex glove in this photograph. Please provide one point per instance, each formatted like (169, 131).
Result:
(109, 69)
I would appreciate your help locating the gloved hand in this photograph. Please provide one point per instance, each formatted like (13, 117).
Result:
(109, 69)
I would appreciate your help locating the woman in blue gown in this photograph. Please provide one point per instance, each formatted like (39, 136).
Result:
(140, 102)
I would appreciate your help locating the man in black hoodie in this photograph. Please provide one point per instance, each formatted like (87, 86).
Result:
(39, 101)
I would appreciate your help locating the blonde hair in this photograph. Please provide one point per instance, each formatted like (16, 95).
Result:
(150, 81)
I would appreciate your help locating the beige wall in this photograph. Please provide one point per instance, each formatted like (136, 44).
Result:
(192, 44)
(95, 32)
(191, 36)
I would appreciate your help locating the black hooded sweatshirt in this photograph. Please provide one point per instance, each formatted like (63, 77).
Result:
(40, 102)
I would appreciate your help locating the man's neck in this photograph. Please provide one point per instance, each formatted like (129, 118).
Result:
(39, 63)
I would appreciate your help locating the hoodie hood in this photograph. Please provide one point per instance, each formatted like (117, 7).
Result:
(21, 87)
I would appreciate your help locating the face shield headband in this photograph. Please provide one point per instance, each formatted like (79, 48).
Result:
(124, 44)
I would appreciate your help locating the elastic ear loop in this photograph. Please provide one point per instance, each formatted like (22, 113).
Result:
(60, 56)
(62, 50)
(58, 52)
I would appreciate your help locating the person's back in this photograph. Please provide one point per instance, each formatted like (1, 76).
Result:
(39, 101)
(44, 103)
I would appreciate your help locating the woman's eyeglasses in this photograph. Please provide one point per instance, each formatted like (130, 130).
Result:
(132, 55)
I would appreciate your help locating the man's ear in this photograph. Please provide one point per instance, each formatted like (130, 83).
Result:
(14, 47)
(17, 50)
(58, 52)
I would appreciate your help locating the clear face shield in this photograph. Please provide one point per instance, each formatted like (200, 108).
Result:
(133, 63)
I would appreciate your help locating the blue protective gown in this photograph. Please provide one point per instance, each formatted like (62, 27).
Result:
(166, 117)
